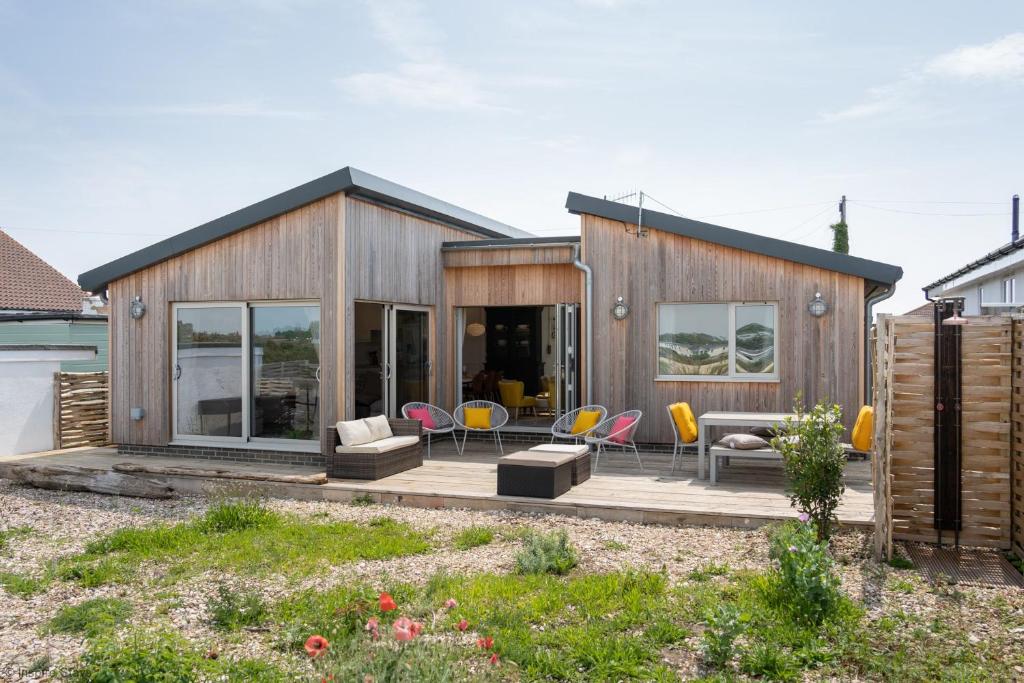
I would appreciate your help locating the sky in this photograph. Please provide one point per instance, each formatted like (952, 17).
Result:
(123, 123)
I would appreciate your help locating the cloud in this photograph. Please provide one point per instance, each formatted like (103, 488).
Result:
(1001, 59)
(424, 85)
(222, 109)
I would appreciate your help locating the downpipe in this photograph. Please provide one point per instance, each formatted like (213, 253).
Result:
(869, 304)
(588, 296)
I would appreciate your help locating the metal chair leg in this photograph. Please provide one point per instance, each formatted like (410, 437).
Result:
(497, 435)
(637, 454)
(455, 438)
(675, 447)
(465, 433)
(597, 456)
(428, 445)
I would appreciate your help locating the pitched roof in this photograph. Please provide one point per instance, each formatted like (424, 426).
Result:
(349, 180)
(872, 271)
(28, 283)
(988, 258)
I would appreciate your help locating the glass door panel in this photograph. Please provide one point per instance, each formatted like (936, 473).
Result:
(410, 361)
(285, 367)
(208, 372)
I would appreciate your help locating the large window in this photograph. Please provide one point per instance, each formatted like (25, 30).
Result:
(717, 341)
(247, 372)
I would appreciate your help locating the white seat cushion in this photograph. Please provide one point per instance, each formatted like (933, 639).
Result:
(574, 448)
(382, 446)
(354, 433)
(537, 459)
(379, 427)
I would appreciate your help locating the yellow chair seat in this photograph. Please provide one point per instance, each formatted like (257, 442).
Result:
(686, 423)
(477, 418)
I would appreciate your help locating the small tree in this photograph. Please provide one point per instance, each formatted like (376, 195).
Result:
(814, 462)
(840, 238)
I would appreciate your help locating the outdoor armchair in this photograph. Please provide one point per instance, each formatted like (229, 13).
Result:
(684, 428)
(618, 431)
(562, 428)
(442, 421)
(512, 397)
(466, 416)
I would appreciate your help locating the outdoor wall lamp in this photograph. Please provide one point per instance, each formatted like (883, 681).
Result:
(620, 310)
(818, 306)
(955, 319)
(137, 309)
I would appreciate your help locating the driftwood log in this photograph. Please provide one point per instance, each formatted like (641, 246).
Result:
(214, 473)
(75, 478)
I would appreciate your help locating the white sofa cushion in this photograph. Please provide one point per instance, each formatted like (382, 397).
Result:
(575, 449)
(354, 433)
(379, 427)
(382, 446)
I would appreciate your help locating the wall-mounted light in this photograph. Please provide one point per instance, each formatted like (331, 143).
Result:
(137, 413)
(621, 309)
(818, 306)
(956, 318)
(475, 329)
(137, 309)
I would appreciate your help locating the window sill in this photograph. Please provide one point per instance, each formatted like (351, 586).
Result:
(728, 380)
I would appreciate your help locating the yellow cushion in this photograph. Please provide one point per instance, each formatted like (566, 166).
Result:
(477, 418)
(585, 421)
(864, 429)
(686, 423)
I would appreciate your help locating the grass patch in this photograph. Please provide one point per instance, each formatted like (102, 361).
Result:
(898, 562)
(363, 500)
(165, 658)
(546, 554)
(90, 618)
(231, 610)
(8, 535)
(901, 585)
(613, 544)
(240, 537)
(23, 585)
(472, 537)
(707, 571)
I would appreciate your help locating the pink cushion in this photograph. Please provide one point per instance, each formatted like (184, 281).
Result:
(621, 425)
(423, 415)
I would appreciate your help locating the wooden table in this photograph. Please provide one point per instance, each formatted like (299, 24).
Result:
(717, 419)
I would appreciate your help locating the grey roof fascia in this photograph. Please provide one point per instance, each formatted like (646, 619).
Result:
(512, 242)
(988, 258)
(348, 180)
(873, 271)
(51, 315)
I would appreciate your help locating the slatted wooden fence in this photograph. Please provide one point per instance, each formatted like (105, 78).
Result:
(81, 409)
(1017, 440)
(904, 404)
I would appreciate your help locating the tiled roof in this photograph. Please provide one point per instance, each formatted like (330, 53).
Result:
(925, 309)
(28, 283)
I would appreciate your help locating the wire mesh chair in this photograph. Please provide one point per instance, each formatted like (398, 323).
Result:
(499, 417)
(603, 436)
(444, 423)
(678, 442)
(562, 429)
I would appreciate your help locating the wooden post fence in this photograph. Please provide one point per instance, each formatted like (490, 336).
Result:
(81, 409)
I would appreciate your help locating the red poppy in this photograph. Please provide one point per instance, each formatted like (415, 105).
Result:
(494, 658)
(485, 643)
(316, 646)
(387, 603)
(462, 625)
(450, 603)
(328, 678)
(416, 628)
(372, 625)
(405, 629)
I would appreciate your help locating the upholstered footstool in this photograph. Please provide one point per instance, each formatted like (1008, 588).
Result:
(533, 474)
(580, 466)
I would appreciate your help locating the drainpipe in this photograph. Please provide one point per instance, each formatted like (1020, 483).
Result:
(588, 296)
(869, 303)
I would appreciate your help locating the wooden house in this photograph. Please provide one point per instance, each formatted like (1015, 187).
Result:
(350, 295)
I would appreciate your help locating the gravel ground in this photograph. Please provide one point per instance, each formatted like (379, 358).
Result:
(63, 523)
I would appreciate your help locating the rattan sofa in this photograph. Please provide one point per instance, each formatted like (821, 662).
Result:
(363, 462)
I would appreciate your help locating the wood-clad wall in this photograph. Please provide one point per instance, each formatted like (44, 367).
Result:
(292, 256)
(527, 255)
(395, 257)
(822, 357)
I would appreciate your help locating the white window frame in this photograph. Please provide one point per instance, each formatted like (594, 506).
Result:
(733, 376)
(246, 440)
(1009, 285)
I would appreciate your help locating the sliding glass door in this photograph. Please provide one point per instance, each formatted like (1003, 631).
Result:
(392, 357)
(285, 360)
(247, 372)
(208, 372)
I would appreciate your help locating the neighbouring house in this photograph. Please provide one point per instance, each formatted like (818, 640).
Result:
(988, 285)
(351, 295)
(39, 306)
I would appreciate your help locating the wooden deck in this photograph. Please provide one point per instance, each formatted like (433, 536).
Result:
(748, 493)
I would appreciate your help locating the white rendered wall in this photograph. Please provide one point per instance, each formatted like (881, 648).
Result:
(26, 398)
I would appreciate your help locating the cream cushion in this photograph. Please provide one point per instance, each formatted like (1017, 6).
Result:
(743, 442)
(575, 449)
(379, 427)
(354, 433)
(382, 446)
(537, 459)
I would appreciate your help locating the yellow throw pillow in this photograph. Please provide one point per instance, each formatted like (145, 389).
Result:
(686, 423)
(477, 418)
(864, 429)
(585, 421)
